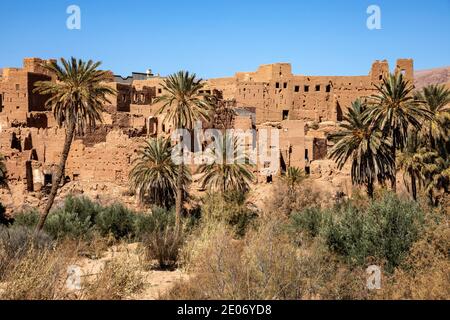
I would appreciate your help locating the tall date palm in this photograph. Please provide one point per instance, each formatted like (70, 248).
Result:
(364, 144)
(416, 161)
(183, 105)
(395, 111)
(436, 130)
(76, 99)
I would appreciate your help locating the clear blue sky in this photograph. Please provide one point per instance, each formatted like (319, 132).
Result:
(219, 37)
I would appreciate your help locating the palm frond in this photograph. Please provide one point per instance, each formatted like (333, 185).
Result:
(79, 93)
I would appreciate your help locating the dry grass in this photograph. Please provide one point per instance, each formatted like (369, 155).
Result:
(37, 275)
(303, 196)
(41, 273)
(268, 264)
(163, 246)
(265, 265)
(118, 280)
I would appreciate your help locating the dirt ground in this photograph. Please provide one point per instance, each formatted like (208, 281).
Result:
(156, 282)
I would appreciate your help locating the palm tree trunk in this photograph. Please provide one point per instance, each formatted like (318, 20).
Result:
(59, 174)
(394, 174)
(179, 199)
(430, 197)
(370, 188)
(414, 187)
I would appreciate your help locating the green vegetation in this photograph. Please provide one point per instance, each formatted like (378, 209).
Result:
(230, 171)
(369, 150)
(154, 174)
(80, 217)
(398, 129)
(382, 232)
(229, 208)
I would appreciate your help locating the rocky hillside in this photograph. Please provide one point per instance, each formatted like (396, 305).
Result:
(432, 76)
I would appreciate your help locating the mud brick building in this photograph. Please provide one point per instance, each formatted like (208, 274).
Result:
(302, 108)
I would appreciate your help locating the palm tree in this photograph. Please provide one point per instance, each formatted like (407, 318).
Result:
(416, 161)
(395, 111)
(436, 99)
(154, 174)
(365, 145)
(437, 176)
(77, 99)
(294, 176)
(183, 105)
(228, 168)
(3, 178)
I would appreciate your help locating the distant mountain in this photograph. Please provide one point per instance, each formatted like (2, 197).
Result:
(423, 78)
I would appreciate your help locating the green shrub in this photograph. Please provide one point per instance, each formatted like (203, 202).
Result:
(80, 217)
(310, 220)
(385, 230)
(75, 219)
(229, 208)
(352, 233)
(147, 223)
(116, 220)
(27, 218)
(400, 224)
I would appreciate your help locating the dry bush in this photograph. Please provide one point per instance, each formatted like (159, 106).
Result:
(39, 274)
(214, 256)
(303, 196)
(164, 245)
(119, 279)
(270, 262)
(94, 248)
(266, 264)
(161, 241)
(15, 243)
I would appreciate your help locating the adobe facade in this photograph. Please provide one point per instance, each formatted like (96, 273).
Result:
(276, 94)
(303, 109)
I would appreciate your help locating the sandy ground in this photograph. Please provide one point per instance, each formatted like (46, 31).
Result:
(156, 282)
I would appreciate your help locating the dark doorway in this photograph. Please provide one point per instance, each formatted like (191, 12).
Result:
(339, 115)
(48, 179)
(15, 142)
